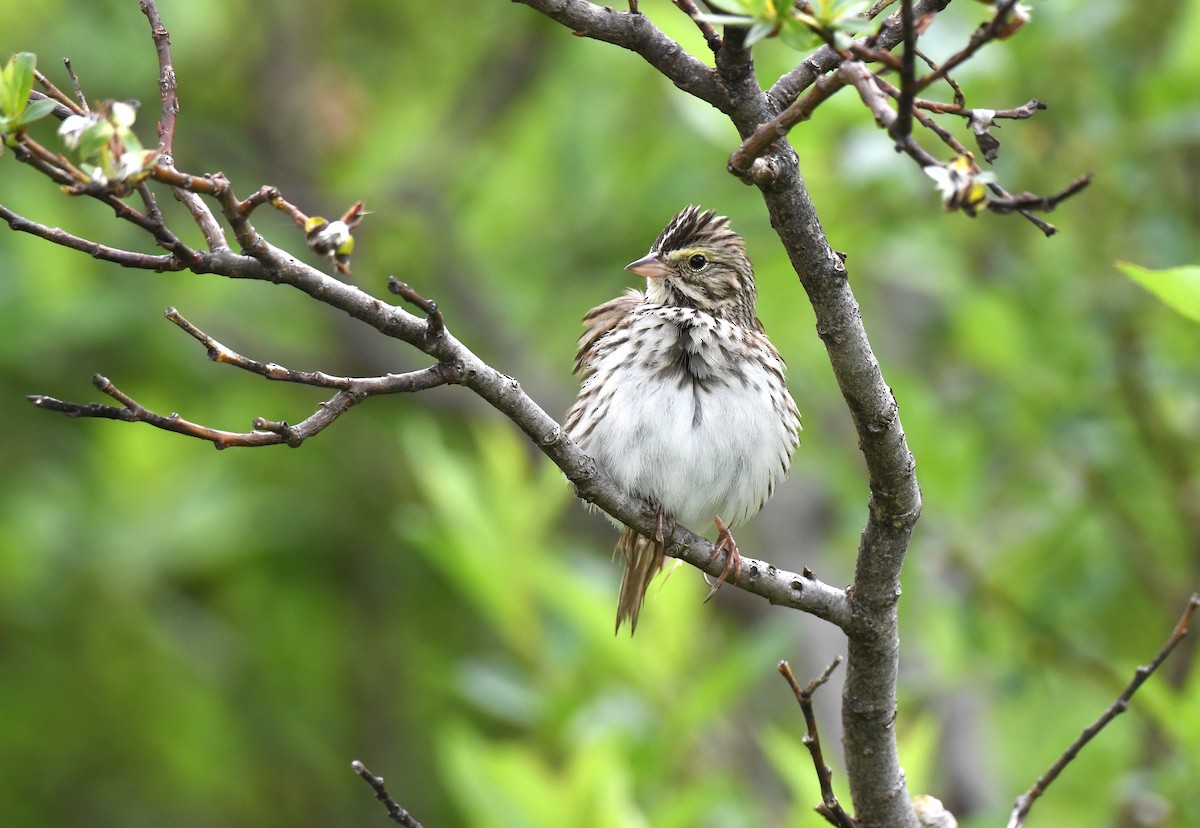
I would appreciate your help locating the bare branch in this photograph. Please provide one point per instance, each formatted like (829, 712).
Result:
(214, 236)
(1028, 201)
(410, 382)
(394, 810)
(637, 33)
(79, 96)
(1025, 801)
(67, 106)
(166, 81)
(901, 128)
(829, 808)
(125, 258)
(760, 141)
(863, 79)
(435, 325)
(706, 29)
(986, 33)
(133, 412)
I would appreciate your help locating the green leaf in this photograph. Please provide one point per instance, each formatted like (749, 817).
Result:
(797, 35)
(760, 31)
(1177, 287)
(18, 82)
(35, 111)
(94, 139)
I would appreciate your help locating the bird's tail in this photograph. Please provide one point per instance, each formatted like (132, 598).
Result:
(644, 559)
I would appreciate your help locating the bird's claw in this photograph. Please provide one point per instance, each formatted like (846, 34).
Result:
(733, 558)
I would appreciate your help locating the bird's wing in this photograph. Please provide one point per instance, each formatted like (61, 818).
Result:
(598, 322)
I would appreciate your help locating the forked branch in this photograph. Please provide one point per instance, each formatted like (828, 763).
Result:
(1026, 800)
(829, 808)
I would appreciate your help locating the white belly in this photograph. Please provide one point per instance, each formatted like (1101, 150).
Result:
(697, 448)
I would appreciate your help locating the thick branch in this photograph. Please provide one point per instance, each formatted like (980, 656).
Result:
(876, 781)
(636, 33)
(872, 658)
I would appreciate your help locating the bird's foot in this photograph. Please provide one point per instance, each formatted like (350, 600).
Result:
(733, 558)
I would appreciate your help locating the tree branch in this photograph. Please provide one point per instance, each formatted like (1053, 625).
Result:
(829, 808)
(395, 812)
(1026, 800)
(636, 33)
(166, 81)
(266, 432)
(125, 258)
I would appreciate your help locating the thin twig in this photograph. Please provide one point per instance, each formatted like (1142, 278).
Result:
(434, 323)
(410, 382)
(69, 107)
(960, 98)
(134, 412)
(167, 86)
(1025, 801)
(759, 142)
(210, 228)
(710, 34)
(983, 35)
(829, 808)
(125, 258)
(1025, 203)
(877, 7)
(394, 810)
(79, 96)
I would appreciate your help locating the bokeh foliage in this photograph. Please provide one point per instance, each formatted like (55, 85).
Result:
(193, 638)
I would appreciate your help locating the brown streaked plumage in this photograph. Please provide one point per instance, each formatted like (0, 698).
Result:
(682, 396)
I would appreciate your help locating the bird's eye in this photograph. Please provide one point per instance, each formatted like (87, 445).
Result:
(697, 261)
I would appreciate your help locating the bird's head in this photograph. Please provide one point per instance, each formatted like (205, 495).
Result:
(698, 262)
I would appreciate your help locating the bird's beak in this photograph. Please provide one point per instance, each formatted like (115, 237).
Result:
(649, 266)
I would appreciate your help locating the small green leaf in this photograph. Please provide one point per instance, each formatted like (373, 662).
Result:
(19, 82)
(1177, 287)
(760, 31)
(132, 144)
(6, 74)
(94, 138)
(36, 110)
(796, 34)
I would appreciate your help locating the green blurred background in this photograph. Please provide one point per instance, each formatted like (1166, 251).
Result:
(193, 638)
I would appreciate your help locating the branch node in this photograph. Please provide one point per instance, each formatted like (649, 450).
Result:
(290, 436)
(435, 325)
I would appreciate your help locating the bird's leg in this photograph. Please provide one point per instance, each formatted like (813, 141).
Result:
(733, 558)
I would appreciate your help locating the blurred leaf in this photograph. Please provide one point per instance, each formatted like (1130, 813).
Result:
(1178, 287)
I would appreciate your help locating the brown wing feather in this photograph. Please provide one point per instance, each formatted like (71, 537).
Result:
(599, 321)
